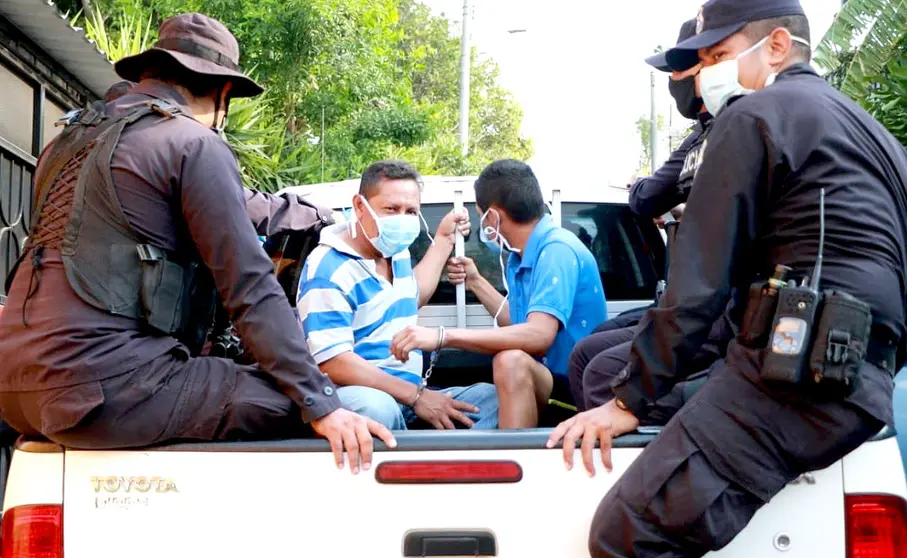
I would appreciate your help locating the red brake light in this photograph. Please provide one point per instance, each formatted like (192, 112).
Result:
(33, 532)
(448, 472)
(876, 526)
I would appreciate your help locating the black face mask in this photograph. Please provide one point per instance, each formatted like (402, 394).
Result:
(684, 93)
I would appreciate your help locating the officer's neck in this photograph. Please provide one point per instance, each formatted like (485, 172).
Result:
(791, 61)
(202, 108)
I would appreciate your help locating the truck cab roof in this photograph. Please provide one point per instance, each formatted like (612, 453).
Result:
(441, 189)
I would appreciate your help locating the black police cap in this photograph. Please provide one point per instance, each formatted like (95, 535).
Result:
(719, 19)
(687, 30)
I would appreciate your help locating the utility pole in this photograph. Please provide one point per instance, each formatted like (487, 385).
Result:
(322, 144)
(653, 126)
(465, 52)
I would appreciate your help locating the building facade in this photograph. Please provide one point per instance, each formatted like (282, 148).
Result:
(47, 68)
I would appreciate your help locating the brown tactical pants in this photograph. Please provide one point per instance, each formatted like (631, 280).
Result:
(171, 398)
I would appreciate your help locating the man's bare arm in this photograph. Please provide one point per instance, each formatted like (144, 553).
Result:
(428, 272)
(534, 337)
(349, 369)
(491, 299)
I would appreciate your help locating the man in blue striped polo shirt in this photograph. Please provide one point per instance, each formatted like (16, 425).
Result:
(359, 288)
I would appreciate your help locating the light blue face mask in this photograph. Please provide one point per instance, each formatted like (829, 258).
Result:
(499, 243)
(492, 245)
(395, 232)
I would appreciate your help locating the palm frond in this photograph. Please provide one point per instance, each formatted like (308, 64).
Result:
(125, 35)
(861, 41)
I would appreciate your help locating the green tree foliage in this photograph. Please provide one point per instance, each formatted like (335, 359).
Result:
(864, 54)
(644, 129)
(382, 73)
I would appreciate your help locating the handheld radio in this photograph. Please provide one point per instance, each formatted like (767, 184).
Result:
(787, 355)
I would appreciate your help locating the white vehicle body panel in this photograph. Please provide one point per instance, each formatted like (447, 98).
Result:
(283, 504)
(876, 468)
(34, 478)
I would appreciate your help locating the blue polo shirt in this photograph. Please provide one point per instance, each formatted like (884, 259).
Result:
(557, 275)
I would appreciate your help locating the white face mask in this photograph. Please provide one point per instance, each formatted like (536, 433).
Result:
(722, 81)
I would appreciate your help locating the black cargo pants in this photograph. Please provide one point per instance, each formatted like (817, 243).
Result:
(597, 360)
(728, 451)
(171, 398)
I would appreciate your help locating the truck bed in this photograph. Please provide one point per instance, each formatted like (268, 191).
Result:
(287, 498)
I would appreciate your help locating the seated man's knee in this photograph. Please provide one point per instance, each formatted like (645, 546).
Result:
(374, 404)
(512, 371)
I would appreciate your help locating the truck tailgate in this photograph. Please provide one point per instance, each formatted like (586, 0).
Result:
(289, 499)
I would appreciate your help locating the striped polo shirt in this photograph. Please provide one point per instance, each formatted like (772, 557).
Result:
(345, 305)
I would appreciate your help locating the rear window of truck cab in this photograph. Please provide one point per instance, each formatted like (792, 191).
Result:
(629, 250)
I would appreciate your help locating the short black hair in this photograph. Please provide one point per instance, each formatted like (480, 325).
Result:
(512, 186)
(798, 26)
(386, 170)
(163, 67)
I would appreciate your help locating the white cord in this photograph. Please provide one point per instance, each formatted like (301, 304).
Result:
(427, 233)
(506, 288)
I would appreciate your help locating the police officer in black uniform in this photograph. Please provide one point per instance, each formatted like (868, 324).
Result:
(597, 359)
(653, 196)
(667, 189)
(805, 383)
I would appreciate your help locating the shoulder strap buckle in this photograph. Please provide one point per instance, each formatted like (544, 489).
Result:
(149, 253)
(164, 109)
(68, 118)
(91, 117)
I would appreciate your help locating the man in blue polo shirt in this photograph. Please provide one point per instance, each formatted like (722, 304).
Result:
(555, 296)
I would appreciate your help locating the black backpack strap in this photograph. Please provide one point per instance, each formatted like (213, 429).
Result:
(63, 151)
(66, 148)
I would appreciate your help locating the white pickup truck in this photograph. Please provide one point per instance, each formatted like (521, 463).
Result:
(457, 493)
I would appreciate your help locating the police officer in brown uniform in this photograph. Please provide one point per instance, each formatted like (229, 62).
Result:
(140, 222)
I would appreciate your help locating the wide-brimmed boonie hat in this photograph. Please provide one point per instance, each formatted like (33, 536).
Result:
(200, 44)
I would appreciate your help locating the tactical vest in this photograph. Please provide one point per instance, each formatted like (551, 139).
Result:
(77, 211)
(693, 160)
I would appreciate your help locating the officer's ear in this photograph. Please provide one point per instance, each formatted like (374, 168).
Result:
(780, 45)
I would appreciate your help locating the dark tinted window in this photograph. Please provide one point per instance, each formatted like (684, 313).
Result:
(629, 250)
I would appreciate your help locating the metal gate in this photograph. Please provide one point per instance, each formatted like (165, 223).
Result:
(16, 171)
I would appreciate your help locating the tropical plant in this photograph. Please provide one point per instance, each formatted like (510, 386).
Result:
(864, 54)
(133, 33)
(864, 37)
(348, 82)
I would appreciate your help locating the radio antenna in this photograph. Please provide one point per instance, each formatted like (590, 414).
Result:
(817, 271)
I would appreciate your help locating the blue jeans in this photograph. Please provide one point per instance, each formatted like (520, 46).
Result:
(381, 407)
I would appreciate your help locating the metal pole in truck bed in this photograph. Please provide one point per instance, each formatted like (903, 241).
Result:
(460, 251)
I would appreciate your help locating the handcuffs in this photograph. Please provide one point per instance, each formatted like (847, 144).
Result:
(431, 367)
